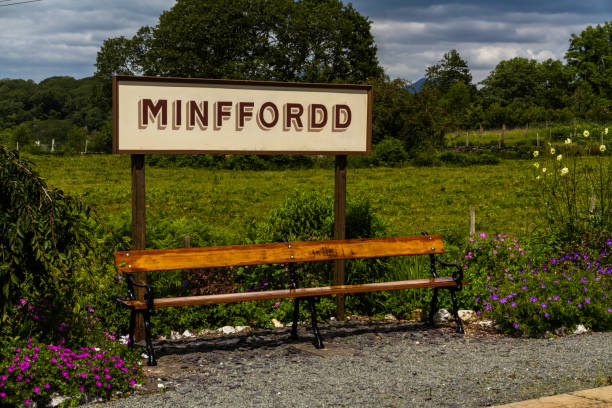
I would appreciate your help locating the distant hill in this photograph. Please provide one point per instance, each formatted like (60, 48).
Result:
(416, 86)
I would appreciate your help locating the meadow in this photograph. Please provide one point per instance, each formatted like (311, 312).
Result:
(409, 199)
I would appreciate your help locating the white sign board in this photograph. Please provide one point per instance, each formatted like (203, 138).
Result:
(175, 115)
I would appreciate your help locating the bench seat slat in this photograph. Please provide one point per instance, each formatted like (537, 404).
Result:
(257, 254)
(294, 293)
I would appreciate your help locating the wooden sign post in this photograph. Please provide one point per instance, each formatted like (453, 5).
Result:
(153, 115)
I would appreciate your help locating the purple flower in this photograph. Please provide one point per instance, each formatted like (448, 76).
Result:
(513, 304)
(524, 287)
(533, 299)
(515, 325)
(583, 280)
(546, 314)
(579, 305)
(544, 305)
(503, 300)
(543, 286)
(587, 300)
(555, 297)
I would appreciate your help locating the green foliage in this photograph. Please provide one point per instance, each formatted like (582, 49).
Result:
(574, 193)
(32, 372)
(322, 41)
(535, 295)
(451, 70)
(47, 251)
(389, 153)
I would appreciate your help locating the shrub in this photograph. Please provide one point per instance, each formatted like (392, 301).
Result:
(525, 297)
(389, 152)
(48, 253)
(31, 372)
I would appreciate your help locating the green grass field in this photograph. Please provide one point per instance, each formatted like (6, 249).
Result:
(410, 199)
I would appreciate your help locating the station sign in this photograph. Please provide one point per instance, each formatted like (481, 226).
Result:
(179, 115)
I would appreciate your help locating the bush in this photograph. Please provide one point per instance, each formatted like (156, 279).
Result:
(529, 297)
(389, 152)
(52, 266)
(48, 252)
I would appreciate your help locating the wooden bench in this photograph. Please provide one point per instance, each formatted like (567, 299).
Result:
(130, 262)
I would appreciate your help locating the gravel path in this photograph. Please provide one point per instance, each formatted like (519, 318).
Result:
(372, 364)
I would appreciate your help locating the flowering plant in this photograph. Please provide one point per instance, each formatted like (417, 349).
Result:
(574, 192)
(525, 297)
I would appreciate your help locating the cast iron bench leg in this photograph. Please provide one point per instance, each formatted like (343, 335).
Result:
(315, 329)
(456, 311)
(296, 313)
(433, 308)
(150, 352)
(131, 332)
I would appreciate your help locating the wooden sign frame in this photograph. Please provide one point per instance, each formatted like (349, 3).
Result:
(158, 87)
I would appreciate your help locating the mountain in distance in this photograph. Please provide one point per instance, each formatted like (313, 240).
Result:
(416, 86)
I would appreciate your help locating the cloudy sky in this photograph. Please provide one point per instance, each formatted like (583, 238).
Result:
(43, 38)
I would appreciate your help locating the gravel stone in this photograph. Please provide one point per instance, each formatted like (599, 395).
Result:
(382, 364)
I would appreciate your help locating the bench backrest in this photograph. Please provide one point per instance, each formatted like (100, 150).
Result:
(286, 252)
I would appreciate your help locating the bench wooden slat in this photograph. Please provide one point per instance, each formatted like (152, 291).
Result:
(295, 293)
(240, 255)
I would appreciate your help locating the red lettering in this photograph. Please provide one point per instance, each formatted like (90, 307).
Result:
(154, 109)
(196, 113)
(222, 113)
(338, 124)
(245, 110)
(261, 117)
(293, 111)
(314, 108)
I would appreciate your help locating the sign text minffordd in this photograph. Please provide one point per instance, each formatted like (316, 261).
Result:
(153, 115)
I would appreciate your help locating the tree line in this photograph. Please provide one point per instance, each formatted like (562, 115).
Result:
(313, 41)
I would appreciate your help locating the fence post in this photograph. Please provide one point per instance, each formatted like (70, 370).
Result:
(186, 241)
(472, 220)
(538, 139)
(467, 139)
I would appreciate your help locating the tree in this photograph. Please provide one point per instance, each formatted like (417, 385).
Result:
(286, 40)
(590, 56)
(21, 135)
(75, 139)
(516, 78)
(450, 70)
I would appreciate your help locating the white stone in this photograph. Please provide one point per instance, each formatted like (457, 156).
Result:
(390, 317)
(187, 333)
(442, 315)
(175, 335)
(207, 332)
(467, 315)
(56, 401)
(227, 330)
(486, 323)
(240, 329)
(277, 324)
(580, 329)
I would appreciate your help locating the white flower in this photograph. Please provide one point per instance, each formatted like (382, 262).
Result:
(543, 169)
(536, 153)
(568, 141)
(564, 171)
(536, 165)
(537, 177)
(602, 148)
(552, 150)
(586, 133)
(559, 157)
(606, 131)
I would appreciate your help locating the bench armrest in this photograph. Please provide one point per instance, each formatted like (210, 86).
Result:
(457, 274)
(148, 297)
